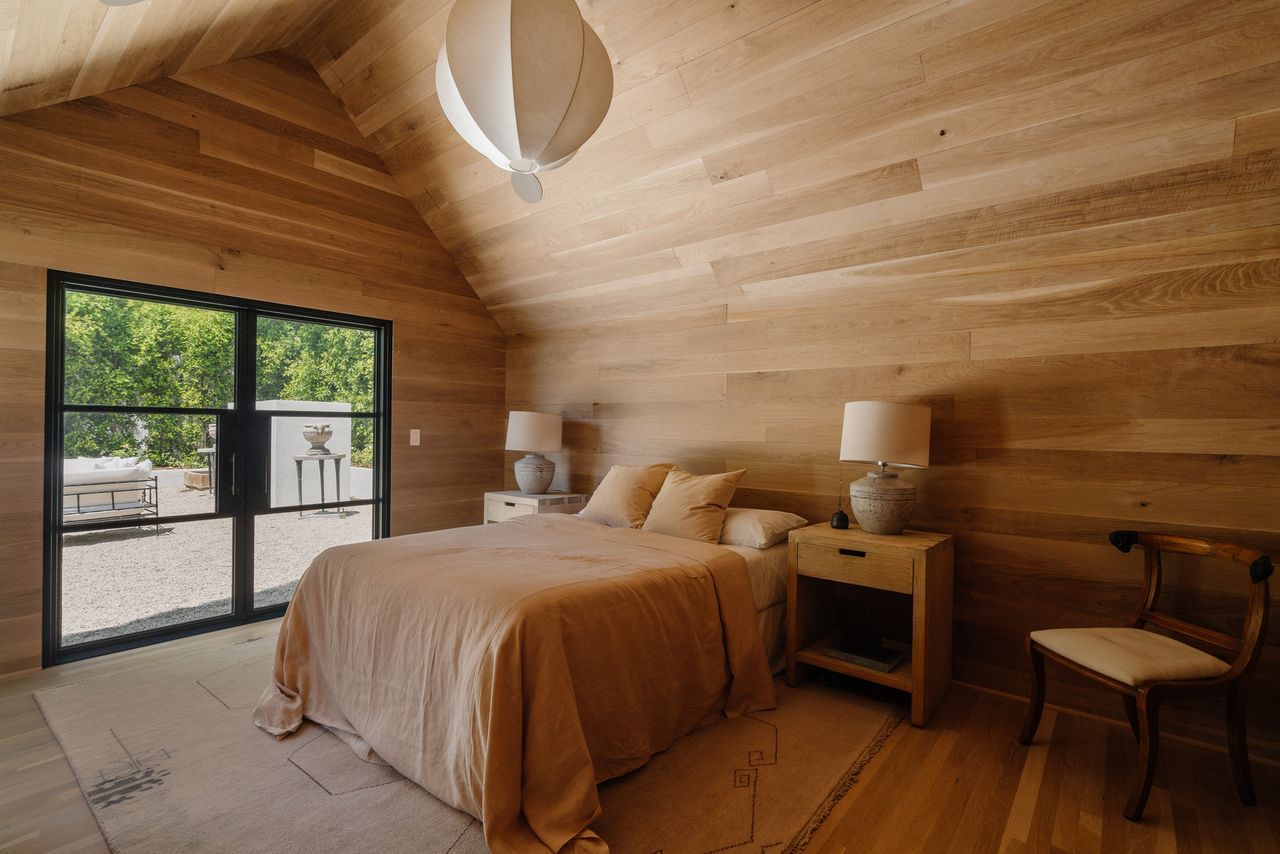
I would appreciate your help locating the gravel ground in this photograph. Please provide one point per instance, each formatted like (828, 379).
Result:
(130, 580)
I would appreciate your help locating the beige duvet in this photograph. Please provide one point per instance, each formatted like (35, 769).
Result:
(509, 668)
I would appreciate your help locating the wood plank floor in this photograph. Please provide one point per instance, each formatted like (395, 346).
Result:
(962, 785)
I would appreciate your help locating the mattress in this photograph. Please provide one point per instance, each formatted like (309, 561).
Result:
(767, 569)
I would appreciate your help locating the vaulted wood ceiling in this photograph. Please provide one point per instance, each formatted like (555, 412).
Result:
(777, 154)
(57, 50)
(751, 146)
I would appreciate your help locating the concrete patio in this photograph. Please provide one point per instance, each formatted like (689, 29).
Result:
(130, 580)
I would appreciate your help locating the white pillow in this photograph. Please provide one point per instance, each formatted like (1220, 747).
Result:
(758, 529)
(115, 462)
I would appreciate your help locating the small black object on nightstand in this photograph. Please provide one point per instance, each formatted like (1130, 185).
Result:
(839, 519)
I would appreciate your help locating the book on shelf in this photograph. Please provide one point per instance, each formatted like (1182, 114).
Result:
(884, 661)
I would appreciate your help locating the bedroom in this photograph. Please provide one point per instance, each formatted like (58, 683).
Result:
(1044, 222)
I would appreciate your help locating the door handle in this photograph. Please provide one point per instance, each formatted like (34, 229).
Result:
(235, 484)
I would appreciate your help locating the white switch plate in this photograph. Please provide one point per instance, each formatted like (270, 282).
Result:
(415, 437)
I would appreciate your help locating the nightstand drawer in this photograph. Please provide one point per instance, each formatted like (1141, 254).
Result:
(854, 566)
(499, 510)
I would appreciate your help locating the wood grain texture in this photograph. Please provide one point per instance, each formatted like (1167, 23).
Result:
(260, 189)
(57, 50)
(982, 791)
(1058, 224)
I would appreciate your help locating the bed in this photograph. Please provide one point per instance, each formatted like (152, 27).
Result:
(508, 669)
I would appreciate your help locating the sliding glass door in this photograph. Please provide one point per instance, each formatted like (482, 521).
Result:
(316, 419)
(200, 451)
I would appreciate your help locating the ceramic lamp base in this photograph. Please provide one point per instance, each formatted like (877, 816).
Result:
(882, 503)
(534, 474)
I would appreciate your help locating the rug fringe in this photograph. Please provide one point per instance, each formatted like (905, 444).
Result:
(823, 812)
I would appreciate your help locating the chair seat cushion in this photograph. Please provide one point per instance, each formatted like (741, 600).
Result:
(1131, 656)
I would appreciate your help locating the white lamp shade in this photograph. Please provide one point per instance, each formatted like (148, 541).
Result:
(878, 431)
(533, 431)
(524, 82)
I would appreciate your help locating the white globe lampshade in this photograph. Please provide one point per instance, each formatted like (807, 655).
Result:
(524, 82)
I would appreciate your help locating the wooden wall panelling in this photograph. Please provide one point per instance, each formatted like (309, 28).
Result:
(262, 192)
(1056, 224)
(22, 312)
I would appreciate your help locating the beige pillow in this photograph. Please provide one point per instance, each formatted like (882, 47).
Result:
(623, 498)
(758, 529)
(693, 506)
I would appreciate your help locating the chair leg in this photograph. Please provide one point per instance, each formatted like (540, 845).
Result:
(1131, 712)
(1238, 746)
(1035, 707)
(1148, 750)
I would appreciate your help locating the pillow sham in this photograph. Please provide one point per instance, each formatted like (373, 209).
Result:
(758, 529)
(692, 506)
(623, 498)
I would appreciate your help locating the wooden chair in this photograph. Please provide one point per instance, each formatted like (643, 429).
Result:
(1149, 668)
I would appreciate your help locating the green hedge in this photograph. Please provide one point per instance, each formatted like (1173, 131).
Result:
(130, 352)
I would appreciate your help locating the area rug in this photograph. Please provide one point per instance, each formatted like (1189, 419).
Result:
(169, 761)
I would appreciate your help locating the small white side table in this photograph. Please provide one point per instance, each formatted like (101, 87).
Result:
(500, 506)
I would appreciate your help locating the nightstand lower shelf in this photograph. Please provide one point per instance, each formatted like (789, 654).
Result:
(899, 677)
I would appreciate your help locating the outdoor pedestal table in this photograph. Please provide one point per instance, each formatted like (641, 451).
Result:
(320, 458)
(210, 462)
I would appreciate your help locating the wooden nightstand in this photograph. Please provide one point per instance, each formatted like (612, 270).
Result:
(914, 563)
(499, 506)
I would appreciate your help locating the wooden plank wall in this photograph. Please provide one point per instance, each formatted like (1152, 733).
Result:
(1058, 223)
(244, 179)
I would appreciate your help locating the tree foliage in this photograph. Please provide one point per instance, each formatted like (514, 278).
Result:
(128, 352)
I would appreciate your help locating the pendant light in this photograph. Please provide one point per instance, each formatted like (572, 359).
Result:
(524, 82)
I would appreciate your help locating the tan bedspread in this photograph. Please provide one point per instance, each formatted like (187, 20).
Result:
(509, 668)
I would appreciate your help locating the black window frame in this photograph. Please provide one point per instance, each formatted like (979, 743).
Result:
(242, 508)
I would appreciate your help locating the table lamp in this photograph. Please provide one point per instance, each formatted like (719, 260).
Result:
(536, 433)
(887, 434)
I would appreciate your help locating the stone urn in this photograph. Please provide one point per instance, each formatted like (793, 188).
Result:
(317, 435)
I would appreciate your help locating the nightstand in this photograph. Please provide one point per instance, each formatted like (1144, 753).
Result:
(914, 564)
(499, 506)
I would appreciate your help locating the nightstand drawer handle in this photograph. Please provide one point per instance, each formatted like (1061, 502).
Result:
(509, 503)
(852, 553)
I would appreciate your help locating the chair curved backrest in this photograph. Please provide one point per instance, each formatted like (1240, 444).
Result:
(1248, 647)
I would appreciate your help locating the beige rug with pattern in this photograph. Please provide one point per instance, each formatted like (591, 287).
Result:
(169, 762)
